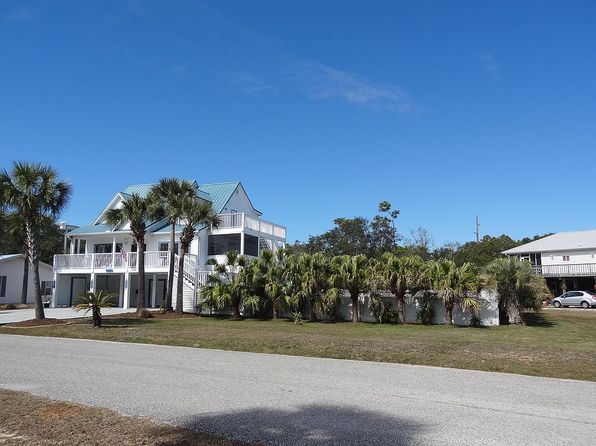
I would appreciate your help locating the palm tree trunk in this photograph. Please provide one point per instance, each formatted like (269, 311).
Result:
(513, 311)
(236, 308)
(180, 282)
(354, 307)
(400, 305)
(313, 313)
(170, 287)
(33, 256)
(448, 314)
(141, 278)
(25, 287)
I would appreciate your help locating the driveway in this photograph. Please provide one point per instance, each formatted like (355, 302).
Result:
(10, 316)
(286, 400)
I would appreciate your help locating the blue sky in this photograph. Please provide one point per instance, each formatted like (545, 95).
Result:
(321, 109)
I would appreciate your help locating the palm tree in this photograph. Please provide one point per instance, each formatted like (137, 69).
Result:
(171, 193)
(454, 285)
(227, 286)
(138, 212)
(94, 302)
(35, 193)
(400, 275)
(352, 273)
(273, 279)
(309, 277)
(517, 285)
(194, 212)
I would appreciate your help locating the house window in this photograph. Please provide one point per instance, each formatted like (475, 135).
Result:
(221, 244)
(251, 245)
(2, 286)
(106, 248)
(165, 246)
(133, 247)
(565, 258)
(46, 287)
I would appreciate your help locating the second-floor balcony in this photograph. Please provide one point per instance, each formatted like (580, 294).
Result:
(111, 262)
(242, 222)
(569, 270)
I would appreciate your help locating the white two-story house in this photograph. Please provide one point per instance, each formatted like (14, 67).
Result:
(103, 257)
(566, 260)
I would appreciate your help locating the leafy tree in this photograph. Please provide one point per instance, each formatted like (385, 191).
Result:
(517, 285)
(194, 212)
(34, 192)
(137, 212)
(171, 193)
(385, 207)
(454, 286)
(399, 275)
(351, 273)
(94, 302)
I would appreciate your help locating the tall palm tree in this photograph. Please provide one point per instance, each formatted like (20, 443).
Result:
(194, 212)
(517, 285)
(171, 194)
(138, 212)
(400, 275)
(352, 273)
(35, 193)
(454, 285)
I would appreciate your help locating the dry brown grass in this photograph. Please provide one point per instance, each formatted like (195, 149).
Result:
(35, 421)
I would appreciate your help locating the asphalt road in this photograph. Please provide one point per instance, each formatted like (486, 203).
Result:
(287, 400)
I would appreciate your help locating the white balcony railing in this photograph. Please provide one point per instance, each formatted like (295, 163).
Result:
(571, 270)
(241, 220)
(111, 261)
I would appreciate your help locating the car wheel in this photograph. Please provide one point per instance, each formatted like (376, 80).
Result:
(557, 304)
(585, 304)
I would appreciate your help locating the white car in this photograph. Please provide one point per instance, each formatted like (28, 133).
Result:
(582, 299)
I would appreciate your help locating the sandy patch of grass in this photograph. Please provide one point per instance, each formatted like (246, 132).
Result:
(36, 421)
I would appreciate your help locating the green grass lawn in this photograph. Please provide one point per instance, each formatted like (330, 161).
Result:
(558, 344)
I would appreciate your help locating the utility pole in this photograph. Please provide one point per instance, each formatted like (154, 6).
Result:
(477, 232)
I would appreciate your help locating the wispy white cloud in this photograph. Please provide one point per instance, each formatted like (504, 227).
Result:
(176, 70)
(490, 65)
(22, 14)
(249, 83)
(320, 81)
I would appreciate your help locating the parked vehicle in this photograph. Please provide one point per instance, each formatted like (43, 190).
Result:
(582, 299)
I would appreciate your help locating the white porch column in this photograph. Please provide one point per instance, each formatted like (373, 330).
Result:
(242, 242)
(114, 251)
(54, 291)
(153, 289)
(121, 291)
(92, 283)
(126, 294)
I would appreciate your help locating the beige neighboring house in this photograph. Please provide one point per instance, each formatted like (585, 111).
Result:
(11, 279)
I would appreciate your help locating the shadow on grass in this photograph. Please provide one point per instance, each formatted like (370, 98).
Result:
(537, 320)
(314, 424)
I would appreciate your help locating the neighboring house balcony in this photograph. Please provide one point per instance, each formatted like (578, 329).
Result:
(155, 261)
(240, 222)
(569, 270)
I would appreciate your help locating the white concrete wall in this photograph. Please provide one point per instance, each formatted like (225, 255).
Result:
(13, 270)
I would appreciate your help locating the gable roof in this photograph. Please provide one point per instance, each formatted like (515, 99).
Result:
(562, 241)
(217, 193)
(8, 257)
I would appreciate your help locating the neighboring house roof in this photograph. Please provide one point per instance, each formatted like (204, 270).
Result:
(91, 229)
(563, 241)
(7, 257)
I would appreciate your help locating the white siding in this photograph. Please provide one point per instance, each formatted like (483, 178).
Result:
(13, 270)
(575, 257)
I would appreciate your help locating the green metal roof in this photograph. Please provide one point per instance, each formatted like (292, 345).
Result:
(143, 191)
(91, 229)
(220, 193)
